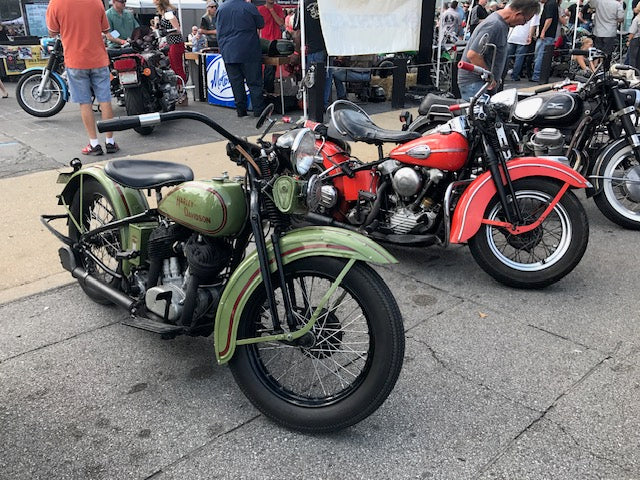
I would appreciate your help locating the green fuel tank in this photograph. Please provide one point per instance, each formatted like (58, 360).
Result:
(216, 208)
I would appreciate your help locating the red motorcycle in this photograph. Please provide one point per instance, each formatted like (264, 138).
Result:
(457, 184)
(149, 83)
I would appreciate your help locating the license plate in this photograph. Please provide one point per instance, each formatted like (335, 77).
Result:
(127, 78)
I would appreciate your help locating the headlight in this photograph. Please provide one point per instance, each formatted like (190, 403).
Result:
(505, 101)
(303, 150)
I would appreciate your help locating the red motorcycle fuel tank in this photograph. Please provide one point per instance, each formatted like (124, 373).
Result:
(214, 207)
(364, 180)
(442, 150)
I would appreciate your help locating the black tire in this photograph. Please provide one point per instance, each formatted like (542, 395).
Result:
(297, 398)
(546, 254)
(47, 105)
(97, 210)
(619, 200)
(134, 104)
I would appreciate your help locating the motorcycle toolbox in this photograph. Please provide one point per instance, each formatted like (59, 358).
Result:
(554, 109)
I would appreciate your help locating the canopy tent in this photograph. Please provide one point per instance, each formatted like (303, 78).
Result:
(199, 5)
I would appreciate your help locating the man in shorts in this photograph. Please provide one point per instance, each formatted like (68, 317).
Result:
(80, 24)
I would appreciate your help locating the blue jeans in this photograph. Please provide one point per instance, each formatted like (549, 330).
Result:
(340, 76)
(520, 51)
(540, 44)
(469, 90)
(321, 57)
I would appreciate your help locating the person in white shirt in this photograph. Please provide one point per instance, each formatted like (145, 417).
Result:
(605, 24)
(520, 37)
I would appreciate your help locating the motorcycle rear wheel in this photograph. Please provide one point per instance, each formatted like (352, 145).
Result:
(93, 209)
(48, 104)
(619, 200)
(134, 104)
(542, 256)
(351, 364)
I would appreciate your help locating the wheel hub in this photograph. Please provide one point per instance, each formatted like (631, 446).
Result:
(525, 241)
(327, 333)
(632, 184)
(44, 97)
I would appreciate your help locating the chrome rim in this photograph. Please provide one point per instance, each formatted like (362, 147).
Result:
(105, 245)
(50, 98)
(536, 250)
(623, 192)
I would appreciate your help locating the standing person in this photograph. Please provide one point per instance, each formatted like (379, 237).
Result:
(605, 23)
(315, 49)
(273, 16)
(208, 24)
(547, 36)
(238, 23)
(478, 14)
(168, 21)
(520, 38)
(494, 30)
(80, 24)
(121, 21)
(633, 41)
(450, 22)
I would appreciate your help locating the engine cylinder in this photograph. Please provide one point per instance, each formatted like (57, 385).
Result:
(406, 182)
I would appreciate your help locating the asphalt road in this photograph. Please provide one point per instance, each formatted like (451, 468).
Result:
(496, 383)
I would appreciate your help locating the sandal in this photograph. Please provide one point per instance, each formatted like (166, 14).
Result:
(6, 95)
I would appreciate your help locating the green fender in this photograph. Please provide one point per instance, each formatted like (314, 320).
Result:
(126, 201)
(300, 243)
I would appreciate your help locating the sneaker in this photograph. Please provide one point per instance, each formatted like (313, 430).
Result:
(241, 113)
(89, 150)
(111, 147)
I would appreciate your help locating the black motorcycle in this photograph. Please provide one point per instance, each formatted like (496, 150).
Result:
(592, 128)
(149, 83)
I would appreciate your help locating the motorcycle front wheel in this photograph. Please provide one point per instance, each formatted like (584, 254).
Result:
(50, 102)
(342, 370)
(618, 197)
(542, 256)
(134, 104)
(93, 209)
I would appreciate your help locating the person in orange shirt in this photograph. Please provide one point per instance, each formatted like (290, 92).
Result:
(80, 24)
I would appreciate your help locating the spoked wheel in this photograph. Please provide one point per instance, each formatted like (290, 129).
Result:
(619, 196)
(48, 103)
(541, 256)
(91, 210)
(343, 369)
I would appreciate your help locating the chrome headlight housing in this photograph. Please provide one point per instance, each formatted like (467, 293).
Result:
(505, 101)
(303, 151)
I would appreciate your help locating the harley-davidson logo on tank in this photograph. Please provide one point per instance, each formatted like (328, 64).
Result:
(218, 85)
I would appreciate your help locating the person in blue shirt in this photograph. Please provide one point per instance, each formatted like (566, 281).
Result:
(237, 24)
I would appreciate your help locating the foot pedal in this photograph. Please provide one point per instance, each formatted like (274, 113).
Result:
(153, 326)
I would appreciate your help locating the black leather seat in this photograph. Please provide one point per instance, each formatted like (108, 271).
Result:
(362, 129)
(436, 104)
(142, 174)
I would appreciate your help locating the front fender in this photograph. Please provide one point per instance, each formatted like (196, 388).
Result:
(473, 202)
(301, 243)
(56, 75)
(605, 155)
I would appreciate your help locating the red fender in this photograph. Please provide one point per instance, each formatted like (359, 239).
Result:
(473, 202)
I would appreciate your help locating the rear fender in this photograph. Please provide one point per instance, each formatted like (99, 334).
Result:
(61, 81)
(473, 202)
(126, 201)
(301, 243)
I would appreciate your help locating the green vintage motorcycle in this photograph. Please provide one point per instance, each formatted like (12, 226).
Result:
(312, 334)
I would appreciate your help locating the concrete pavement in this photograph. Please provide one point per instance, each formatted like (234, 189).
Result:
(497, 383)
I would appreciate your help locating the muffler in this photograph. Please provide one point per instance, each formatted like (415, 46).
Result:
(68, 261)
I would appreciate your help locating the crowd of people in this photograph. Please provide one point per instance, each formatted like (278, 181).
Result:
(524, 36)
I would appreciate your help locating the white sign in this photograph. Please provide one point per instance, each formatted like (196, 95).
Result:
(218, 85)
(362, 27)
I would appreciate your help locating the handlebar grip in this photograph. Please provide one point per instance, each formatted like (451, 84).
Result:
(584, 53)
(470, 67)
(546, 88)
(125, 123)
